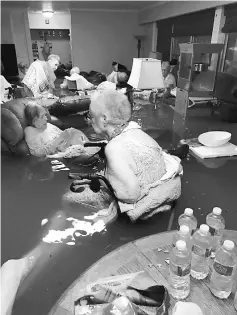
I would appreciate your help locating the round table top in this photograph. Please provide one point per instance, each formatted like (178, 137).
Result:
(149, 254)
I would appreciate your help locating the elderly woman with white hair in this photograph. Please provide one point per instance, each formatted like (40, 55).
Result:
(40, 77)
(81, 82)
(145, 179)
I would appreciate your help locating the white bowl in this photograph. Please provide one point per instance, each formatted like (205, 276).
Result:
(214, 138)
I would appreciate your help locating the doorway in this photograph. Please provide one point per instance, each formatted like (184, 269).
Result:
(52, 37)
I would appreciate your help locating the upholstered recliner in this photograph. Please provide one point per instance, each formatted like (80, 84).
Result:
(14, 120)
(13, 123)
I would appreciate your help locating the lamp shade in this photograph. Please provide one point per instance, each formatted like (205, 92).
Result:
(146, 74)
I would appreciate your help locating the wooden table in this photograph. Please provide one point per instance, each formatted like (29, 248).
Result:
(141, 255)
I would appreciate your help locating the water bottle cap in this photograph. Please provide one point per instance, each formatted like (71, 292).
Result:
(204, 228)
(216, 211)
(188, 211)
(184, 229)
(229, 245)
(180, 245)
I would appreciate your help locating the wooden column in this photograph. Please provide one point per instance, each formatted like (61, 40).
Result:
(154, 36)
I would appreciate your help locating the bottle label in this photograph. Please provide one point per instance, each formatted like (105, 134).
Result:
(201, 251)
(222, 270)
(179, 271)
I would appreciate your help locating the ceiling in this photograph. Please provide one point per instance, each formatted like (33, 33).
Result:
(88, 5)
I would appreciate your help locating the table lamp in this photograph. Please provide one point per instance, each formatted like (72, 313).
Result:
(146, 74)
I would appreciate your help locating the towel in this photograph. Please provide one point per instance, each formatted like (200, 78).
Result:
(81, 82)
(39, 78)
(106, 85)
(131, 294)
(173, 167)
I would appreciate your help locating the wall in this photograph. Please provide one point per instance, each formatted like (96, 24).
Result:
(15, 30)
(148, 29)
(6, 28)
(60, 20)
(98, 38)
(175, 8)
(21, 36)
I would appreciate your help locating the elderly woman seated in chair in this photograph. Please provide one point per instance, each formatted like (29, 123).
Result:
(80, 82)
(45, 139)
(40, 77)
(145, 179)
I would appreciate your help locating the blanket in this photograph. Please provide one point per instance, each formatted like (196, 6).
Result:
(40, 78)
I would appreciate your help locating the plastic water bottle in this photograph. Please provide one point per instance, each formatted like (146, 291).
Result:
(201, 251)
(235, 301)
(180, 265)
(223, 274)
(216, 224)
(187, 218)
(184, 235)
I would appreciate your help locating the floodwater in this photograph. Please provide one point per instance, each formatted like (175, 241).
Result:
(32, 192)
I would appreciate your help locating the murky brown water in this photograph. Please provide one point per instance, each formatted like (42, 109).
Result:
(31, 192)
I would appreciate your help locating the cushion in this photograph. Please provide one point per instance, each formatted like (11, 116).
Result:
(69, 105)
(17, 107)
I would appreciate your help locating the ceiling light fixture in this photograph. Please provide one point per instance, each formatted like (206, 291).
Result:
(48, 14)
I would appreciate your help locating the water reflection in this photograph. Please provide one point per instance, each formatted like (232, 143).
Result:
(27, 169)
(214, 163)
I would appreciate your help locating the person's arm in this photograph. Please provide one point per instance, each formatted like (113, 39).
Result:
(64, 84)
(122, 178)
(12, 273)
(170, 84)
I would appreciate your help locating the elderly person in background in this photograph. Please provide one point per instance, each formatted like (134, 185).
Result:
(117, 69)
(145, 179)
(40, 77)
(81, 82)
(169, 80)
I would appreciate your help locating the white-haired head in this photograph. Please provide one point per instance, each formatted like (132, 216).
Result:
(75, 70)
(165, 66)
(52, 56)
(109, 108)
(53, 61)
